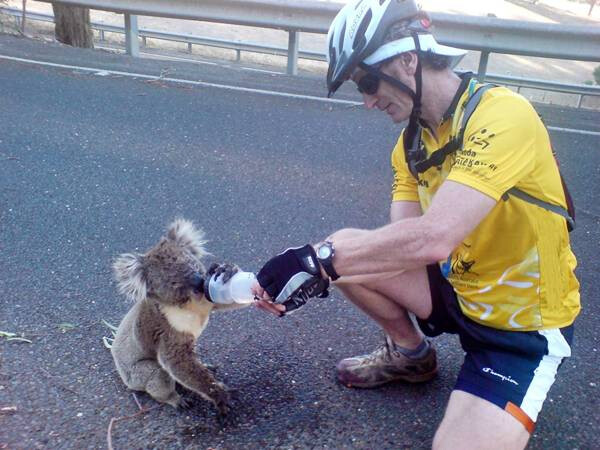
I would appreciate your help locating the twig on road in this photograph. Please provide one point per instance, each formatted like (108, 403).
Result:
(137, 402)
(14, 337)
(141, 412)
(9, 157)
(8, 409)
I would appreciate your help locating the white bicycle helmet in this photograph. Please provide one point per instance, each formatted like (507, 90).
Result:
(357, 32)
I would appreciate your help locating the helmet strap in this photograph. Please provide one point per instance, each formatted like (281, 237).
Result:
(413, 128)
(416, 111)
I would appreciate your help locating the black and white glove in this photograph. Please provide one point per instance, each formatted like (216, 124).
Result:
(292, 277)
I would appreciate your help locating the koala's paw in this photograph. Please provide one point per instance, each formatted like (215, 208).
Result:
(225, 271)
(221, 398)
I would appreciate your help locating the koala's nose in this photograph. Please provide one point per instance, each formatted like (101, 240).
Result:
(197, 282)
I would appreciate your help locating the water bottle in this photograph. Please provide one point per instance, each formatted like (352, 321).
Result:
(236, 290)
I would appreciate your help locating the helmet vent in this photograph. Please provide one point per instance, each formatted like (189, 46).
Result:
(332, 58)
(342, 35)
(360, 32)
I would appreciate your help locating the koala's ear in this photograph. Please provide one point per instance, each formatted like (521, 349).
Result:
(186, 235)
(131, 280)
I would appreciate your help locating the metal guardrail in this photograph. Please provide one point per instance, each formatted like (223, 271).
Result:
(487, 34)
(292, 15)
(188, 39)
(484, 34)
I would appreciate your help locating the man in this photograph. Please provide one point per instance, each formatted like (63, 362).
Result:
(477, 245)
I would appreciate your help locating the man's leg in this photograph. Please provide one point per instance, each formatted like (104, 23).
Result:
(471, 422)
(388, 302)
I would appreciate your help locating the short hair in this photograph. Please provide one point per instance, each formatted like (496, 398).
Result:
(429, 59)
(435, 61)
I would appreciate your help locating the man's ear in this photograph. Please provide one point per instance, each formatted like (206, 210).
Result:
(403, 65)
(409, 62)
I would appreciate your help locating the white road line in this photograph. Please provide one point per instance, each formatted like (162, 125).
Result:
(235, 88)
(178, 80)
(572, 130)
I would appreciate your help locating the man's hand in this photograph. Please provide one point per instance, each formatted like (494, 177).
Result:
(295, 273)
(286, 272)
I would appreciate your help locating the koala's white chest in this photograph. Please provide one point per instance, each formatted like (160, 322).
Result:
(190, 318)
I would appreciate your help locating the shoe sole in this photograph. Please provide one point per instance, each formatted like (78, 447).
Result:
(417, 378)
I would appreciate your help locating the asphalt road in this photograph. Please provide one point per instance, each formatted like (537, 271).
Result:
(92, 166)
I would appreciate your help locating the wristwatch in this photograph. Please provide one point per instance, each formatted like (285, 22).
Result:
(325, 253)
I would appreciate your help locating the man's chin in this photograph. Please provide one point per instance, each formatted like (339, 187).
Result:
(397, 116)
(398, 119)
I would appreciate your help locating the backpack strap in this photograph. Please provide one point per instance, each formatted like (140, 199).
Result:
(470, 107)
(519, 193)
(413, 152)
(438, 157)
(570, 203)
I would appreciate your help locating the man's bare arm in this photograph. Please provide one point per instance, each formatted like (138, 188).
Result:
(403, 210)
(416, 241)
(398, 210)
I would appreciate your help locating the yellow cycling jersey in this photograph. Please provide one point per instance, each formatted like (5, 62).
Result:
(515, 271)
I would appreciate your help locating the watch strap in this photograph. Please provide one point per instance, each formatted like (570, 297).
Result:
(327, 263)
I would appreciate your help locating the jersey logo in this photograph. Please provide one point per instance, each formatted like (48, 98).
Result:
(482, 139)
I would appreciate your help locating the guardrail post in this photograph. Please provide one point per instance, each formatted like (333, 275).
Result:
(293, 44)
(131, 35)
(101, 35)
(483, 62)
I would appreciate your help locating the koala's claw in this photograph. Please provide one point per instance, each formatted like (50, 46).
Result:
(212, 269)
(185, 403)
(225, 271)
(221, 399)
(225, 420)
(214, 369)
(223, 409)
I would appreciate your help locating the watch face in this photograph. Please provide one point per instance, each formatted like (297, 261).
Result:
(324, 252)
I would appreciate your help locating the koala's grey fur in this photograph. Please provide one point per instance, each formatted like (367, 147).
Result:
(154, 344)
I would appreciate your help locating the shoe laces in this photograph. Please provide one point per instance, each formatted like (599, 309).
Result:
(385, 351)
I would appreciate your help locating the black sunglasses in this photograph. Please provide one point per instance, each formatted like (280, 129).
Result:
(368, 84)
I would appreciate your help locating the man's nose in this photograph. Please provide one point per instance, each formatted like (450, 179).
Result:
(369, 100)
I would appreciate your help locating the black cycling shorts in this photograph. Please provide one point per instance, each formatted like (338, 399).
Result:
(512, 369)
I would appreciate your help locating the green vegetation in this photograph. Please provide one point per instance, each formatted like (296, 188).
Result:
(597, 74)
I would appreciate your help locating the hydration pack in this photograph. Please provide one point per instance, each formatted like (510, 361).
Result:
(418, 162)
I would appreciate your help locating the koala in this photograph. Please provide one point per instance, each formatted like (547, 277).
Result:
(154, 344)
